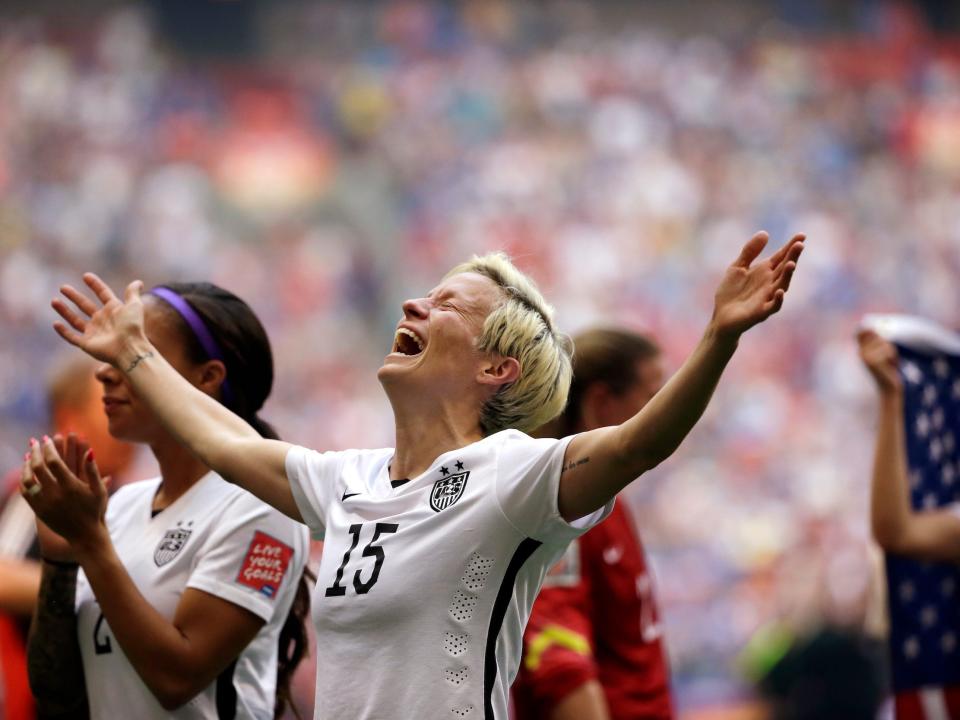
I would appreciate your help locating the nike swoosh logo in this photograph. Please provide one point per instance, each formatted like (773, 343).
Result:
(348, 495)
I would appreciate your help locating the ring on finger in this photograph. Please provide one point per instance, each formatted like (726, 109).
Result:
(32, 489)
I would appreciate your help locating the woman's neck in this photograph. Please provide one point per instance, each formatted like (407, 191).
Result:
(179, 471)
(420, 441)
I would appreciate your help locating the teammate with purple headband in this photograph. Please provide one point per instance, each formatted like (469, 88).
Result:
(191, 599)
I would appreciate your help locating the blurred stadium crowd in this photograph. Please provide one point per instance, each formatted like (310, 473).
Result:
(365, 148)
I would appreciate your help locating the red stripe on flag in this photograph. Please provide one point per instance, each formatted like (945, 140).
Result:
(908, 706)
(952, 697)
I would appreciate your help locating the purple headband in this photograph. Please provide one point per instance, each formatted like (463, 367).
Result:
(200, 331)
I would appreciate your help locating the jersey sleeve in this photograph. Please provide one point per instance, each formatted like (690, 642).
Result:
(528, 486)
(253, 558)
(313, 482)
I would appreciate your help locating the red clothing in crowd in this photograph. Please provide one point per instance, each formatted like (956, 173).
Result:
(596, 619)
(17, 541)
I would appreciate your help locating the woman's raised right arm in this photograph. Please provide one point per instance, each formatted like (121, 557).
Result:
(896, 526)
(113, 332)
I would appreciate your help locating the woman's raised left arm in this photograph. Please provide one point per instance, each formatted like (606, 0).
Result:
(600, 463)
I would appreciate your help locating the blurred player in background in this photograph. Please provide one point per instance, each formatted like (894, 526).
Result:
(74, 406)
(192, 597)
(593, 647)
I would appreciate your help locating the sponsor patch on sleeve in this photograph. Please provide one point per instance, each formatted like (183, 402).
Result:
(265, 565)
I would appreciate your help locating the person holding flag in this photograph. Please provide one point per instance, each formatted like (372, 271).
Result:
(915, 506)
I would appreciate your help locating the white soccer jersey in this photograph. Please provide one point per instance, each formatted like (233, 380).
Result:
(425, 585)
(217, 538)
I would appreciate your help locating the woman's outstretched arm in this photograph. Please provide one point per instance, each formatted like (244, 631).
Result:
(112, 330)
(600, 463)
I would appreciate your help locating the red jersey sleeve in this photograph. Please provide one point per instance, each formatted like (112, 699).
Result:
(558, 653)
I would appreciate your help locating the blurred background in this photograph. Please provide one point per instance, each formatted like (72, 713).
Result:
(327, 160)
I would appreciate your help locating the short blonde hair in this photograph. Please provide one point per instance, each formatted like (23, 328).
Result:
(521, 327)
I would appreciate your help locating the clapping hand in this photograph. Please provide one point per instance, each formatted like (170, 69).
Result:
(62, 484)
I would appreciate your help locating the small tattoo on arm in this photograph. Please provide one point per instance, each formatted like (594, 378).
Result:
(574, 464)
(137, 360)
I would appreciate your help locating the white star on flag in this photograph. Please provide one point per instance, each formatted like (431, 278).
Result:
(937, 418)
(941, 367)
(948, 642)
(936, 449)
(948, 474)
(912, 373)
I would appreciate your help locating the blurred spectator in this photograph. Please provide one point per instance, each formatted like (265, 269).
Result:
(831, 675)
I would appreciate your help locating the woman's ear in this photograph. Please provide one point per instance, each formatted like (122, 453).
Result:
(212, 375)
(498, 371)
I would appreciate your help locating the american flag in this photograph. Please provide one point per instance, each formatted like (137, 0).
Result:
(924, 597)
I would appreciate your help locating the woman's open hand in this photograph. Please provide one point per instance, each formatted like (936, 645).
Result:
(105, 329)
(750, 293)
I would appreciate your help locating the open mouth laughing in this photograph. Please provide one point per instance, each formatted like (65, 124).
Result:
(407, 342)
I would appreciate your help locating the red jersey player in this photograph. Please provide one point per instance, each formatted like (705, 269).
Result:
(592, 647)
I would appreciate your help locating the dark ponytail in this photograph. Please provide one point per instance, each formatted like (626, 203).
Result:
(246, 354)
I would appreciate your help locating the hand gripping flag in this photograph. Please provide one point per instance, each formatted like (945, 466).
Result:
(924, 597)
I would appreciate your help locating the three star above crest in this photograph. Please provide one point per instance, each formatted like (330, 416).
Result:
(446, 471)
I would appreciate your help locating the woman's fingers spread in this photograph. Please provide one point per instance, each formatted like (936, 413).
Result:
(783, 282)
(773, 304)
(63, 310)
(85, 304)
(133, 291)
(790, 250)
(99, 287)
(751, 251)
(69, 335)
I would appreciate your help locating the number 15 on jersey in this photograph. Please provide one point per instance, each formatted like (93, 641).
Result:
(361, 586)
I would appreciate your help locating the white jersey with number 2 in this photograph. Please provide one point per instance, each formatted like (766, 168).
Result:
(217, 538)
(426, 584)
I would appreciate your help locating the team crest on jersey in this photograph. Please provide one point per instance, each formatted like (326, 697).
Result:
(448, 489)
(171, 544)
